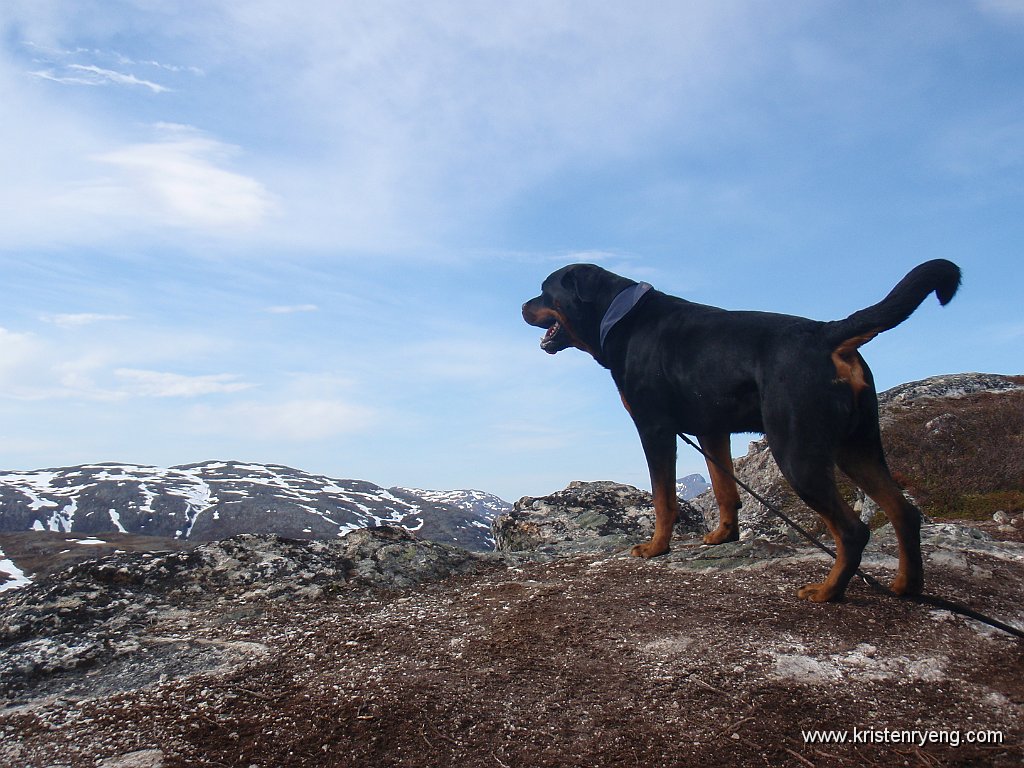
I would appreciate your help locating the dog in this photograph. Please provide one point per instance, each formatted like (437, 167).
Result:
(682, 367)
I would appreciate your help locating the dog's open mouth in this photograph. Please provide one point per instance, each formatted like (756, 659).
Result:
(556, 339)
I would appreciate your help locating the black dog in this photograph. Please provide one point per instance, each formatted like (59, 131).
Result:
(709, 372)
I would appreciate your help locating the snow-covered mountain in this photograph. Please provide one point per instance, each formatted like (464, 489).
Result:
(216, 500)
(691, 486)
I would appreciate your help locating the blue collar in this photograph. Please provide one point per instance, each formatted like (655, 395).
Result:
(621, 306)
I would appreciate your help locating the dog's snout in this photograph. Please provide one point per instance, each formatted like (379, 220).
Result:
(530, 309)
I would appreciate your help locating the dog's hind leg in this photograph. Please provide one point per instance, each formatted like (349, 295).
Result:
(811, 474)
(848, 532)
(719, 458)
(864, 462)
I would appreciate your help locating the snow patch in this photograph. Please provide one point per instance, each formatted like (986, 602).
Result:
(16, 578)
(115, 518)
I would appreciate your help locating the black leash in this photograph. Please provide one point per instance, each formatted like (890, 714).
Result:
(937, 602)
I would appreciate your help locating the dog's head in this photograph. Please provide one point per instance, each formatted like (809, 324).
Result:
(570, 306)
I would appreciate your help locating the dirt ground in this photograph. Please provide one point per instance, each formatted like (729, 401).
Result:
(589, 660)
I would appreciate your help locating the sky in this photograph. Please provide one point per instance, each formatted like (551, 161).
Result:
(301, 233)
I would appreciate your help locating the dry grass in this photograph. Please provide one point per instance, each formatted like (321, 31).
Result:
(964, 462)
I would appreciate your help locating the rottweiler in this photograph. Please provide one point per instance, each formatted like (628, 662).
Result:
(682, 367)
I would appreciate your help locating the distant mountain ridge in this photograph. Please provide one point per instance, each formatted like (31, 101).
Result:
(691, 486)
(218, 499)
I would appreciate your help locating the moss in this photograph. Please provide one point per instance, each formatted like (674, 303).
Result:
(877, 520)
(981, 506)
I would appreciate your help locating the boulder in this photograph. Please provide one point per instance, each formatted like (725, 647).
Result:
(585, 517)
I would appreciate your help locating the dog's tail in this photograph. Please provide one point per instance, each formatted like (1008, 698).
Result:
(937, 275)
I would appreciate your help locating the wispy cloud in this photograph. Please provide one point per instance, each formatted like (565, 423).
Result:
(17, 350)
(297, 420)
(77, 320)
(89, 74)
(164, 384)
(1012, 10)
(290, 309)
(128, 61)
(179, 180)
(95, 66)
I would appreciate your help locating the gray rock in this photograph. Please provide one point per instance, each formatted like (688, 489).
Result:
(585, 517)
(952, 385)
(98, 612)
(144, 758)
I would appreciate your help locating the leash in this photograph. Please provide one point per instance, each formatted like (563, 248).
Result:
(937, 602)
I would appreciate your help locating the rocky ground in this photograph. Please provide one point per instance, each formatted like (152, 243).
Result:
(385, 650)
(561, 650)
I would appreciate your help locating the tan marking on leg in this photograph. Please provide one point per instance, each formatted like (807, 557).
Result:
(850, 540)
(666, 512)
(873, 476)
(727, 495)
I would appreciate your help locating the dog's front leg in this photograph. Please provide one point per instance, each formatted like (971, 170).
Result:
(719, 459)
(660, 449)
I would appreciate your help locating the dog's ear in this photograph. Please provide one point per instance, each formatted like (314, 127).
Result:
(582, 281)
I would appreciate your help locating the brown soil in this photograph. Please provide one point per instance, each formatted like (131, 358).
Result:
(585, 661)
(40, 553)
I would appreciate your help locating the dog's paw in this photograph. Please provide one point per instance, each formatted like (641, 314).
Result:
(819, 593)
(722, 534)
(906, 586)
(647, 550)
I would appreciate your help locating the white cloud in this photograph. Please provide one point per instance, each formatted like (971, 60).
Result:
(164, 384)
(89, 74)
(33, 368)
(77, 320)
(426, 120)
(179, 180)
(431, 117)
(290, 309)
(298, 420)
(72, 181)
(120, 364)
(18, 351)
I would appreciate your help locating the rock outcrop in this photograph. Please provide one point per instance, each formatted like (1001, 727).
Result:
(264, 652)
(585, 517)
(97, 612)
(950, 441)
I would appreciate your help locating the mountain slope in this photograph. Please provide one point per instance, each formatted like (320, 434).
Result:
(216, 500)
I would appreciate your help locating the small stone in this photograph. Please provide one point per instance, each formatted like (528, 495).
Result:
(145, 758)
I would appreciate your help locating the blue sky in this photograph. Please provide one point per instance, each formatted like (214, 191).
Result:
(301, 232)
